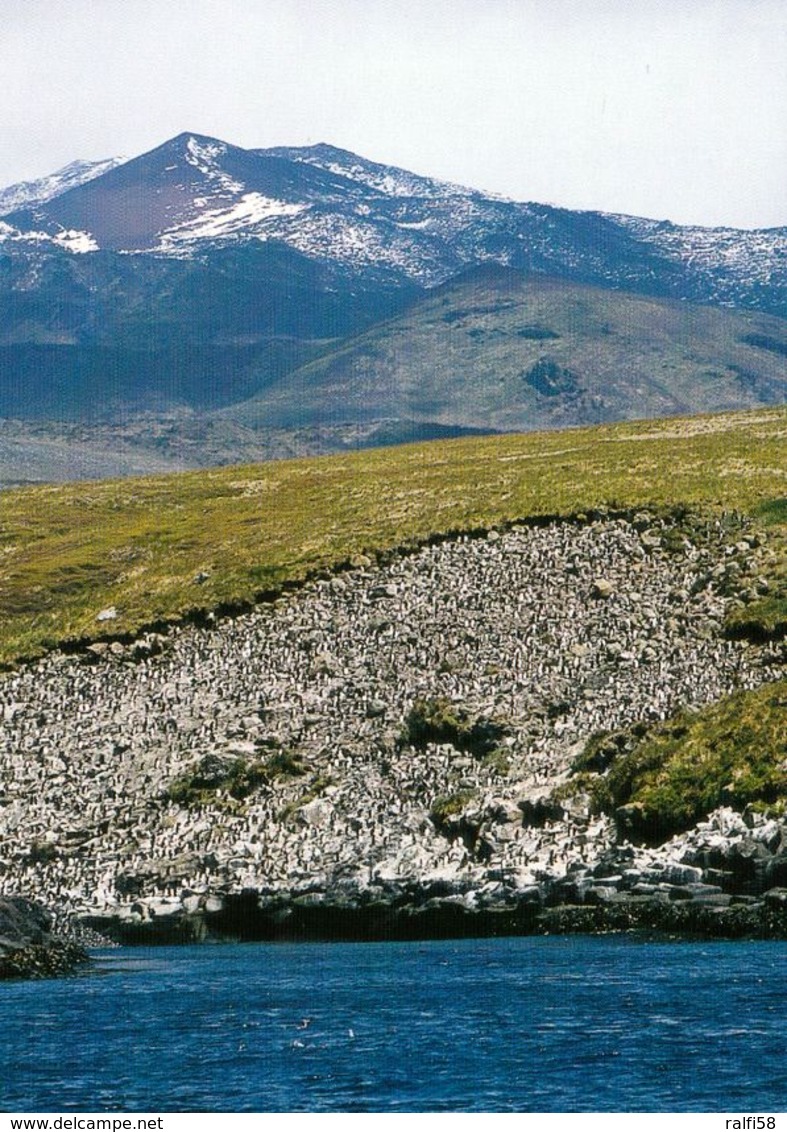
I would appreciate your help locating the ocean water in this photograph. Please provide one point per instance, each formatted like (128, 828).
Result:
(568, 1024)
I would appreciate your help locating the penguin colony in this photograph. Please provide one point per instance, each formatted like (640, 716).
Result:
(556, 632)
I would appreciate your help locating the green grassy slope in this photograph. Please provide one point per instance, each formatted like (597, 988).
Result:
(731, 753)
(660, 779)
(159, 548)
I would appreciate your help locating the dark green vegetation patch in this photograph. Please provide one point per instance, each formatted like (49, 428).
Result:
(537, 333)
(550, 378)
(661, 780)
(441, 721)
(449, 806)
(236, 778)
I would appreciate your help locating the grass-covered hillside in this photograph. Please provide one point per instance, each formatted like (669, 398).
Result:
(499, 350)
(92, 560)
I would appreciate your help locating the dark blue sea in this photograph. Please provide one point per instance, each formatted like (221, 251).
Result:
(569, 1024)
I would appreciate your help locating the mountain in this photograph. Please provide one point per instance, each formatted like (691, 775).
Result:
(521, 352)
(28, 193)
(379, 223)
(295, 287)
(106, 333)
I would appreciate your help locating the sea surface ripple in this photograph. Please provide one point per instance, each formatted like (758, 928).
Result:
(541, 1025)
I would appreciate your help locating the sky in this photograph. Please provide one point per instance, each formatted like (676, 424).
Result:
(671, 109)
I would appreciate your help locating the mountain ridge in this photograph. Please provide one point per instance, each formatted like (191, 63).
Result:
(332, 204)
(40, 189)
(200, 276)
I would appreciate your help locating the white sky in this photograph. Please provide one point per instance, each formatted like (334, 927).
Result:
(674, 109)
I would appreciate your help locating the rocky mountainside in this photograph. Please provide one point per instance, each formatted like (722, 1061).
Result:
(387, 750)
(201, 276)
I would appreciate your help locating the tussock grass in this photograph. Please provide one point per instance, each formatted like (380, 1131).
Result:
(162, 548)
(449, 806)
(441, 721)
(731, 753)
(236, 779)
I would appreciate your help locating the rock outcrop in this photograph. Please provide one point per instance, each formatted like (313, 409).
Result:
(269, 774)
(30, 946)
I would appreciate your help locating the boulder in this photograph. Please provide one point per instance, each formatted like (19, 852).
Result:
(602, 588)
(317, 813)
(775, 871)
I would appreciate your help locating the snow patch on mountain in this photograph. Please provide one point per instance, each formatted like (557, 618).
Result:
(725, 257)
(204, 156)
(354, 241)
(25, 194)
(246, 217)
(75, 241)
(9, 234)
(70, 239)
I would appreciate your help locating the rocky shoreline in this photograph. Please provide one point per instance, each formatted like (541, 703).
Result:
(30, 946)
(725, 879)
(269, 775)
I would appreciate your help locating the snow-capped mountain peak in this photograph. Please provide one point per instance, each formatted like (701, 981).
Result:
(389, 180)
(205, 156)
(195, 194)
(27, 194)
